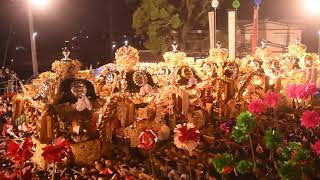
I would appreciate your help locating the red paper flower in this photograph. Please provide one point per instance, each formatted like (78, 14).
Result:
(271, 99)
(310, 119)
(316, 148)
(147, 140)
(20, 153)
(186, 137)
(56, 152)
(227, 170)
(256, 107)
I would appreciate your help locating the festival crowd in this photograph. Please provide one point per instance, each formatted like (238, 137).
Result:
(8, 81)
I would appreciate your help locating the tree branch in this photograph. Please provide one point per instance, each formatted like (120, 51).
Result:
(203, 10)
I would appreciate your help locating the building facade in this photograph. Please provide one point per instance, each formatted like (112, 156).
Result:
(278, 36)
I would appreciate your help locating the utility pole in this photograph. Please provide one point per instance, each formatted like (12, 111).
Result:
(32, 42)
(213, 23)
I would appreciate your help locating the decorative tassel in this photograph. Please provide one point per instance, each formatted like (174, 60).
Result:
(83, 103)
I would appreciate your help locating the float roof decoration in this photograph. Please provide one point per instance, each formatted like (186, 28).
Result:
(127, 57)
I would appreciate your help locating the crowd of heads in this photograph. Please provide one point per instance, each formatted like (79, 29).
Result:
(7, 80)
(6, 124)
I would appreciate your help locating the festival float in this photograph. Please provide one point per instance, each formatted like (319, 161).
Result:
(214, 117)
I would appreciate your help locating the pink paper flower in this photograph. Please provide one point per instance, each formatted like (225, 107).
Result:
(256, 107)
(271, 99)
(310, 119)
(311, 89)
(225, 127)
(292, 91)
(186, 137)
(316, 147)
(301, 91)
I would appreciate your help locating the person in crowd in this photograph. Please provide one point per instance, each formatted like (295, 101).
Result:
(8, 127)
(2, 81)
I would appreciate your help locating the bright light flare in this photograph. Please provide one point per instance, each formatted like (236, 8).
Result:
(39, 3)
(313, 6)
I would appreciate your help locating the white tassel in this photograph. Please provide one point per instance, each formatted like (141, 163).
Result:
(83, 103)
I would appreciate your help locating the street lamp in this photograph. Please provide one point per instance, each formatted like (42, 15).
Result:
(126, 42)
(312, 6)
(34, 3)
(35, 34)
(213, 23)
(39, 3)
(215, 4)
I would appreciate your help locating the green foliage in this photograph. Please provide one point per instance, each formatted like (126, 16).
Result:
(244, 166)
(295, 161)
(289, 170)
(272, 138)
(239, 136)
(245, 125)
(157, 19)
(175, 21)
(295, 153)
(246, 122)
(167, 15)
(156, 44)
(223, 162)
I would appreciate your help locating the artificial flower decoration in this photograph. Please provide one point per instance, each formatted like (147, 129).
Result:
(291, 91)
(245, 125)
(316, 148)
(227, 126)
(294, 152)
(186, 137)
(20, 153)
(8, 130)
(127, 57)
(289, 170)
(224, 163)
(311, 89)
(246, 122)
(54, 153)
(310, 119)
(238, 135)
(271, 99)
(147, 140)
(259, 149)
(244, 166)
(256, 107)
(301, 91)
(272, 138)
(318, 92)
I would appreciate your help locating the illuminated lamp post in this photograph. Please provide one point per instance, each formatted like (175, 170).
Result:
(33, 34)
(213, 23)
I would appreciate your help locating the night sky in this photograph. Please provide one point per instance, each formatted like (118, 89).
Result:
(88, 20)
